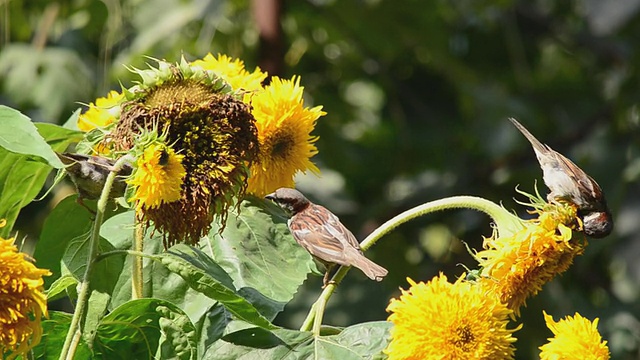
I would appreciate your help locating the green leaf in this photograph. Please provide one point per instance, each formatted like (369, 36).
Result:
(140, 329)
(258, 252)
(361, 341)
(19, 135)
(105, 272)
(207, 277)
(178, 340)
(211, 327)
(54, 332)
(66, 222)
(59, 287)
(21, 178)
(96, 308)
(159, 282)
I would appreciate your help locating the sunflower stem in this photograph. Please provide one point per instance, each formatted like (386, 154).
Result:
(69, 347)
(136, 271)
(504, 220)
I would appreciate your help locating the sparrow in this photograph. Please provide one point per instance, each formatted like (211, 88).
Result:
(569, 183)
(322, 234)
(89, 174)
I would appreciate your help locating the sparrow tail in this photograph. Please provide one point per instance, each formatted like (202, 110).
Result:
(371, 269)
(537, 145)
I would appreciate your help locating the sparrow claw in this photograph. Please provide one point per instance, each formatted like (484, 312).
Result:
(330, 282)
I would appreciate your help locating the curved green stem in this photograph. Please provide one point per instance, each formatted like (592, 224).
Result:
(505, 222)
(69, 347)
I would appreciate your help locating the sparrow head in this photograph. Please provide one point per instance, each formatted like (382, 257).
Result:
(597, 224)
(291, 200)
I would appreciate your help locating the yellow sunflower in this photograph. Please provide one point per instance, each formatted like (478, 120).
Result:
(284, 133)
(516, 266)
(158, 178)
(441, 320)
(104, 112)
(22, 301)
(233, 72)
(574, 338)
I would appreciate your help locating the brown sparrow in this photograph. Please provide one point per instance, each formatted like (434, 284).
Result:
(89, 174)
(322, 234)
(569, 183)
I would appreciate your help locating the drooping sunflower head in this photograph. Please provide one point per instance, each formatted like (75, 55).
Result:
(516, 265)
(574, 337)
(213, 132)
(284, 131)
(22, 301)
(441, 320)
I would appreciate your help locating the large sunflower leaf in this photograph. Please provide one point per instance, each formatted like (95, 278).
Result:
(260, 255)
(19, 135)
(140, 329)
(204, 275)
(159, 282)
(66, 222)
(21, 178)
(54, 332)
(358, 342)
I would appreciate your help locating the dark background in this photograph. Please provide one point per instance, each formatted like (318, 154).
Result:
(417, 95)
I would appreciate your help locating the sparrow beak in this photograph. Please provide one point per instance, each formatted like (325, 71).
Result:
(271, 197)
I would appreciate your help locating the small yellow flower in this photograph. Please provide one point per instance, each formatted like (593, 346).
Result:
(516, 266)
(22, 301)
(103, 113)
(158, 178)
(574, 338)
(233, 72)
(440, 320)
(284, 133)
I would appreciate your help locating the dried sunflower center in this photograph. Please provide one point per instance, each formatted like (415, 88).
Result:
(216, 134)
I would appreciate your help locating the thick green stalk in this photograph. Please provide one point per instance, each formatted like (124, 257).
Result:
(69, 347)
(136, 271)
(504, 220)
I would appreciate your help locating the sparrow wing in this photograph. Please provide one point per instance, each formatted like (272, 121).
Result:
(323, 235)
(585, 182)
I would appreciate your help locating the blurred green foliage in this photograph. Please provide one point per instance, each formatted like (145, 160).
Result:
(417, 95)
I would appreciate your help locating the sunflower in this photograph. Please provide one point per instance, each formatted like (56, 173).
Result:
(574, 338)
(516, 265)
(158, 177)
(205, 122)
(233, 72)
(22, 301)
(104, 112)
(284, 133)
(441, 320)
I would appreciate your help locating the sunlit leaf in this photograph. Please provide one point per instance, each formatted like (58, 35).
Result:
(159, 282)
(19, 135)
(21, 178)
(59, 287)
(207, 277)
(258, 252)
(362, 341)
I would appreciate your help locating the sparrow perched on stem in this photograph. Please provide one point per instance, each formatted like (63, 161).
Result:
(322, 234)
(89, 174)
(569, 183)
